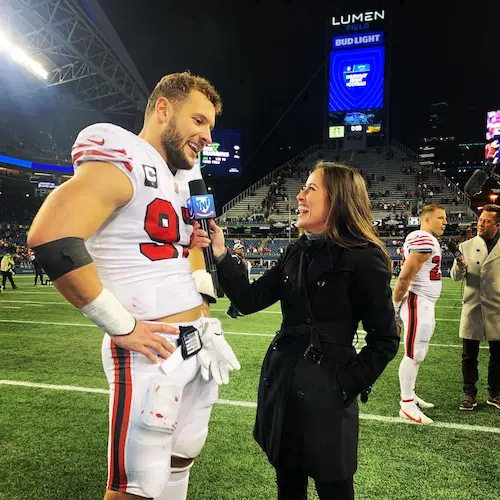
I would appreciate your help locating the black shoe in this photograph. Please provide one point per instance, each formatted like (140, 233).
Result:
(232, 314)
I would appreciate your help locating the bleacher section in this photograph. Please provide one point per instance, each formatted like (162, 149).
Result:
(249, 206)
(384, 171)
(273, 248)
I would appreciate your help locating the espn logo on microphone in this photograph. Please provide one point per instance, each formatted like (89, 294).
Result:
(201, 206)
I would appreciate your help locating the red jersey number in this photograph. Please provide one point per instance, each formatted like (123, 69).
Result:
(435, 273)
(162, 225)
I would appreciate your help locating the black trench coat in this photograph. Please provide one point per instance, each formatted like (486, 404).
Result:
(307, 414)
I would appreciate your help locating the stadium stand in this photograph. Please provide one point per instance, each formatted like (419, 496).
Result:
(397, 185)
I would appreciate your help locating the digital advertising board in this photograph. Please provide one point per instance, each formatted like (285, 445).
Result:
(223, 156)
(357, 69)
(492, 148)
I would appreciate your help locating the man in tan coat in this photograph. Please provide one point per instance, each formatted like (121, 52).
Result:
(480, 265)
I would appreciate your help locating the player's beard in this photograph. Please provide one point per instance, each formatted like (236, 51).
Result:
(171, 140)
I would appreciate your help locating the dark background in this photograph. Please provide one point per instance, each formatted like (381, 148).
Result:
(261, 54)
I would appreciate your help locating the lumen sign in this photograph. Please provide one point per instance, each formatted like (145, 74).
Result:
(363, 17)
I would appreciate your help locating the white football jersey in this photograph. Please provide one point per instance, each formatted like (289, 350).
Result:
(141, 250)
(427, 281)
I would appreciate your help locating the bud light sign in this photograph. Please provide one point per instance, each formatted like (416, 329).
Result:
(201, 206)
(350, 41)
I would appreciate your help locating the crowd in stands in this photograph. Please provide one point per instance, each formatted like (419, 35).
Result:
(41, 141)
(276, 192)
(21, 254)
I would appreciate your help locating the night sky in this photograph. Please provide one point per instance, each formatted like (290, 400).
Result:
(261, 54)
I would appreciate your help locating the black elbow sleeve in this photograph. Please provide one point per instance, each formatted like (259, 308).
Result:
(62, 256)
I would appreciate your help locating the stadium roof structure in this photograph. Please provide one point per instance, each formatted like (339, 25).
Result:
(76, 44)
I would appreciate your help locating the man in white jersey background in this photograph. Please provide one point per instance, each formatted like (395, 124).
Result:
(415, 294)
(115, 240)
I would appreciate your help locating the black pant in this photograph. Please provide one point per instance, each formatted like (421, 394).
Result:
(470, 352)
(39, 274)
(7, 275)
(292, 485)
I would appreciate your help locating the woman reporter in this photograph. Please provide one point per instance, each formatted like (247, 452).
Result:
(332, 277)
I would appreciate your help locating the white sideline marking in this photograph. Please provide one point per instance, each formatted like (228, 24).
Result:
(442, 425)
(456, 346)
(11, 307)
(251, 404)
(37, 303)
(55, 387)
(91, 325)
(65, 303)
(361, 333)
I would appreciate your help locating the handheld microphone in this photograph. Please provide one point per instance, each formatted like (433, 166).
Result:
(452, 247)
(201, 208)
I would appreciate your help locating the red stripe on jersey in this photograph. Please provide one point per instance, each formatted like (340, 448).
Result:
(420, 244)
(419, 240)
(93, 152)
(122, 151)
(78, 145)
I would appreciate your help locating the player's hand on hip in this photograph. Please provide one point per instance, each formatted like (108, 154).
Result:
(200, 237)
(145, 340)
(217, 237)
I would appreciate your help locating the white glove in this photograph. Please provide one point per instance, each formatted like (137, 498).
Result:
(216, 356)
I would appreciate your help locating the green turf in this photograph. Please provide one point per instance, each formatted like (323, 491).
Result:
(53, 443)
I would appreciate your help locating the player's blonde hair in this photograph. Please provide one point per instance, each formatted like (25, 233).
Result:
(176, 87)
(349, 222)
(428, 209)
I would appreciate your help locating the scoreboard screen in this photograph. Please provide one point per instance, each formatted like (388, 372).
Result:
(223, 156)
(357, 69)
(356, 79)
(493, 136)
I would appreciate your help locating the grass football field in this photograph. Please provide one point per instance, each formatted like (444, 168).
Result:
(53, 418)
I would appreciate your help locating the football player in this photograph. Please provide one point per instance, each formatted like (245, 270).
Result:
(115, 241)
(415, 294)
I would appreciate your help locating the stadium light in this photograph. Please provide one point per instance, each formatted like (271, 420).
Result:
(4, 42)
(22, 58)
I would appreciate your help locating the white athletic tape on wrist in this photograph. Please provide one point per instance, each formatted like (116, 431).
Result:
(204, 283)
(109, 315)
